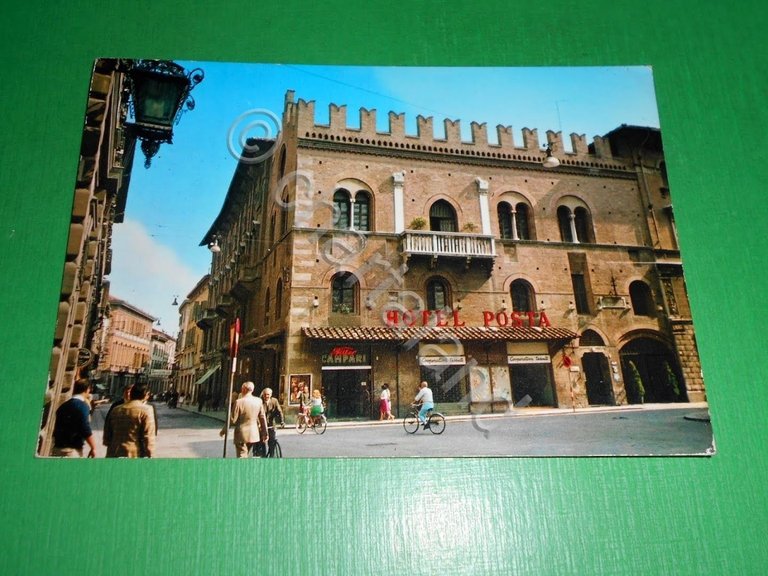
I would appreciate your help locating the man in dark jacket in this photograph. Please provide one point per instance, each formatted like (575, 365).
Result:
(73, 424)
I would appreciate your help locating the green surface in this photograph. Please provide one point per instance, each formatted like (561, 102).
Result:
(473, 516)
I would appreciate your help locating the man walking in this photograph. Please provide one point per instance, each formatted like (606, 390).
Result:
(249, 419)
(129, 432)
(73, 424)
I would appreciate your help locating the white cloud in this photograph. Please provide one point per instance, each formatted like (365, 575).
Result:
(148, 274)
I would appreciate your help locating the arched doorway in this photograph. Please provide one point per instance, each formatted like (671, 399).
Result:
(651, 372)
(598, 377)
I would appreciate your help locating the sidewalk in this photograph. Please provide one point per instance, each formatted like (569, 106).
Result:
(698, 411)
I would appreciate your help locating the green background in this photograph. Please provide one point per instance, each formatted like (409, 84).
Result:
(465, 516)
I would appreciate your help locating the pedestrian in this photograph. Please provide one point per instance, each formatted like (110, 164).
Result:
(250, 421)
(274, 415)
(130, 430)
(72, 429)
(201, 399)
(125, 398)
(385, 404)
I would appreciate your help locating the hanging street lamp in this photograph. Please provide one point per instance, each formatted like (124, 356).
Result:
(160, 94)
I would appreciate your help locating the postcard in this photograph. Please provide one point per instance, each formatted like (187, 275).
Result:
(324, 261)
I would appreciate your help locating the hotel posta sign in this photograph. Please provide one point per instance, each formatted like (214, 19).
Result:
(443, 318)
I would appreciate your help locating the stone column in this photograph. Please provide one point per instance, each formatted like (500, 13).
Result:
(398, 179)
(485, 214)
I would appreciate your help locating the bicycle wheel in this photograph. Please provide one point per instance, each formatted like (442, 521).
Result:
(277, 452)
(301, 425)
(320, 424)
(411, 422)
(436, 423)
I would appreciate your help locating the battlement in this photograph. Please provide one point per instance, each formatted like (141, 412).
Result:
(301, 115)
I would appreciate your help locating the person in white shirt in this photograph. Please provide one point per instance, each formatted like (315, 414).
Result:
(427, 403)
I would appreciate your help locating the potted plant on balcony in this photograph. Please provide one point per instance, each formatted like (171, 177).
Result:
(418, 223)
(469, 227)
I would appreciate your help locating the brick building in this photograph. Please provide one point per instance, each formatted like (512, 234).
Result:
(190, 373)
(355, 258)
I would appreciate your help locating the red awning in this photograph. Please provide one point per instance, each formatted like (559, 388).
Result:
(437, 334)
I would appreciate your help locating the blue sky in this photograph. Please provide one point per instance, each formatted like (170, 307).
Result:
(172, 205)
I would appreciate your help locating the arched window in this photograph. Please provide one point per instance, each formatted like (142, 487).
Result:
(442, 217)
(341, 209)
(522, 221)
(583, 225)
(282, 161)
(575, 226)
(523, 297)
(438, 295)
(362, 210)
(279, 299)
(590, 338)
(642, 300)
(564, 222)
(344, 287)
(504, 212)
(266, 308)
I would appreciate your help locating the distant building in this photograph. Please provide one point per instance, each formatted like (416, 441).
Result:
(162, 353)
(191, 375)
(355, 258)
(126, 346)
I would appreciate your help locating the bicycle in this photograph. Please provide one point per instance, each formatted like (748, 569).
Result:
(435, 421)
(317, 423)
(273, 446)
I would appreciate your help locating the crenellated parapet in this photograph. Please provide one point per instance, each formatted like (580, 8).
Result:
(597, 154)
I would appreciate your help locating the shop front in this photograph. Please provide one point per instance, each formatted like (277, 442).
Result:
(346, 381)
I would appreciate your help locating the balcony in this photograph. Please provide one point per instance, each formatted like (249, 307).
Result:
(449, 245)
(206, 318)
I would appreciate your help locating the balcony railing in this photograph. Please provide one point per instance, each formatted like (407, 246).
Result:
(449, 244)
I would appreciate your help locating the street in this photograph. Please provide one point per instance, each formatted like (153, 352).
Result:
(663, 430)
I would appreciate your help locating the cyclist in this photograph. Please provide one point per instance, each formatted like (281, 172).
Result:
(274, 413)
(424, 397)
(316, 404)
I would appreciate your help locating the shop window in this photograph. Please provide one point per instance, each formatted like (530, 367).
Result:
(437, 294)
(341, 210)
(442, 217)
(642, 300)
(344, 288)
(523, 296)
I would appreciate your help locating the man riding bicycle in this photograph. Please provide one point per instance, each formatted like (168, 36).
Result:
(424, 397)
(274, 414)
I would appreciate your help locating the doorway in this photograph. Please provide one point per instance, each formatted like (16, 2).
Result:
(348, 393)
(598, 377)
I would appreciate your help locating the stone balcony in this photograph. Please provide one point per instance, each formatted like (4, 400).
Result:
(448, 245)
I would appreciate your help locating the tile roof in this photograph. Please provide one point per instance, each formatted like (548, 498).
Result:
(434, 333)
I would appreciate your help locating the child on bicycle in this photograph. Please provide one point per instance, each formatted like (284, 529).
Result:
(316, 404)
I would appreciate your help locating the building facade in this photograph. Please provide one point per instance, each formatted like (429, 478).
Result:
(162, 353)
(354, 258)
(126, 346)
(103, 177)
(190, 373)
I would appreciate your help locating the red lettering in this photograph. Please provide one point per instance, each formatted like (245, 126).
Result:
(343, 351)
(456, 321)
(425, 317)
(393, 318)
(487, 317)
(409, 318)
(517, 322)
(543, 320)
(531, 318)
(502, 319)
(441, 321)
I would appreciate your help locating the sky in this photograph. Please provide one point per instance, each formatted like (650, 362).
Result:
(171, 205)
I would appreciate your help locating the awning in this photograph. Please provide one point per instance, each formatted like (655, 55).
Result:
(207, 375)
(438, 334)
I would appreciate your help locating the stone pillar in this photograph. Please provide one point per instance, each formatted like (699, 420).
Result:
(485, 213)
(398, 179)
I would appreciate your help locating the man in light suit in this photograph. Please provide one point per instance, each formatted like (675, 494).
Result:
(129, 432)
(249, 419)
